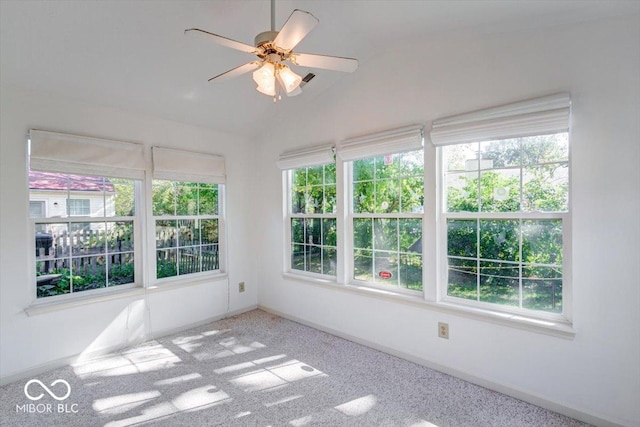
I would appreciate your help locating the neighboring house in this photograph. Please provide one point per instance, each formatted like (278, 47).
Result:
(57, 195)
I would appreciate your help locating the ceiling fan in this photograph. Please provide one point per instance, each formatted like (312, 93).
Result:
(274, 49)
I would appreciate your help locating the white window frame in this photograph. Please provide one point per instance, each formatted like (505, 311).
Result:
(288, 162)
(153, 248)
(546, 115)
(69, 219)
(351, 215)
(394, 141)
(288, 176)
(185, 166)
(81, 155)
(444, 216)
(540, 116)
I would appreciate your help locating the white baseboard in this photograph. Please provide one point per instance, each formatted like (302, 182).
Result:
(69, 360)
(521, 394)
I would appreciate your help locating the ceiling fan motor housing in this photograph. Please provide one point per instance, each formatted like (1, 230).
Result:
(265, 37)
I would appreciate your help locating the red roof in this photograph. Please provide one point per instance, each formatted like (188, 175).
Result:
(62, 181)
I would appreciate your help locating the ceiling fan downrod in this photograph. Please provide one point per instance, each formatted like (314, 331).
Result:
(268, 36)
(273, 15)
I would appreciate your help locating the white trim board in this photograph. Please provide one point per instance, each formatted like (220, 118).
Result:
(515, 392)
(66, 361)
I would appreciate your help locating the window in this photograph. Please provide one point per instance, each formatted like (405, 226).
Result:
(36, 209)
(89, 242)
(187, 227)
(386, 208)
(93, 252)
(187, 212)
(79, 207)
(505, 206)
(311, 211)
(504, 220)
(313, 219)
(84, 195)
(494, 220)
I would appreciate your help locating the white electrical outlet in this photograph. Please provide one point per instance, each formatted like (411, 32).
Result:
(443, 330)
(241, 287)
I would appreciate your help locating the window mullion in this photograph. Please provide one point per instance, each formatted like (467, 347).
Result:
(520, 280)
(398, 245)
(479, 201)
(478, 270)
(373, 249)
(306, 243)
(344, 223)
(150, 252)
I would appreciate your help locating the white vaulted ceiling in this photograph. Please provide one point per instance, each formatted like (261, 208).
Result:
(133, 55)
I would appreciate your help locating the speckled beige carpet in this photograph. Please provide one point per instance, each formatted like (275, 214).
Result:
(257, 369)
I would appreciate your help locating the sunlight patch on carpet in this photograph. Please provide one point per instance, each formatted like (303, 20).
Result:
(358, 406)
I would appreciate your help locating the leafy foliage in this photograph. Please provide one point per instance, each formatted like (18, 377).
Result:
(184, 198)
(313, 190)
(124, 197)
(389, 184)
(118, 274)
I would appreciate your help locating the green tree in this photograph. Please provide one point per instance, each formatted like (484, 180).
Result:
(184, 198)
(389, 184)
(124, 199)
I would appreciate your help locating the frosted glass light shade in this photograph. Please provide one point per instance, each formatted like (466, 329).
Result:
(290, 80)
(265, 78)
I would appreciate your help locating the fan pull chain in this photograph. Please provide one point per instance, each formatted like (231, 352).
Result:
(275, 74)
(278, 88)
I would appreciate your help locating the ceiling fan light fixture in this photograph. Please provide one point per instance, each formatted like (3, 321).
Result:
(289, 80)
(273, 48)
(265, 79)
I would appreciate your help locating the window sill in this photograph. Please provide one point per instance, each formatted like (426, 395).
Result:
(548, 327)
(43, 306)
(182, 282)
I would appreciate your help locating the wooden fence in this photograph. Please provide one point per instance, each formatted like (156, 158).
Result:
(87, 248)
(190, 258)
(89, 255)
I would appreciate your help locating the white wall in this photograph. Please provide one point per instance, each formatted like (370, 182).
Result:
(31, 341)
(598, 372)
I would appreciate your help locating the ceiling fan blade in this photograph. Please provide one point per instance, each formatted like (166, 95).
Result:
(235, 72)
(335, 63)
(298, 25)
(224, 41)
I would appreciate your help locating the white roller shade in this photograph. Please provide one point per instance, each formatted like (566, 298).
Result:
(311, 156)
(58, 152)
(539, 116)
(178, 165)
(379, 144)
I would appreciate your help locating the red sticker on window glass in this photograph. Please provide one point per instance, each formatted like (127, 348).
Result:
(385, 274)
